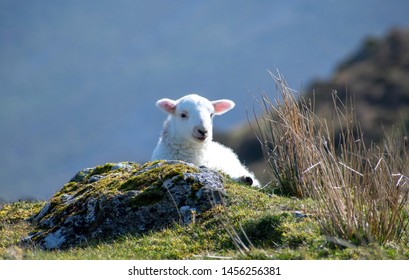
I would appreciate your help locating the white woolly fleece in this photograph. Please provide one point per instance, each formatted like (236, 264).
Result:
(187, 136)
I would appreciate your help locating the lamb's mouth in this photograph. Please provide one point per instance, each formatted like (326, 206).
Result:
(199, 138)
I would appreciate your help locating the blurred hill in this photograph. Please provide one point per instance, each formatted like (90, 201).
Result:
(376, 76)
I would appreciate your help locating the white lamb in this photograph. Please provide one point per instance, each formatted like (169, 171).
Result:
(187, 136)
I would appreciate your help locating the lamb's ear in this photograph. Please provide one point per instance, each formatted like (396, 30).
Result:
(167, 105)
(222, 106)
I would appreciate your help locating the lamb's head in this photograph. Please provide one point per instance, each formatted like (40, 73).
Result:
(191, 117)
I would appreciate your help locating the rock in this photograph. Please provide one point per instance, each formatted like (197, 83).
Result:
(125, 198)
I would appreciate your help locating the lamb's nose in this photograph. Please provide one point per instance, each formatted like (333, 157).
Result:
(202, 132)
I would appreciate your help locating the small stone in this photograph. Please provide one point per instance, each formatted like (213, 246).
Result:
(124, 166)
(81, 175)
(54, 240)
(95, 178)
(187, 214)
(300, 214)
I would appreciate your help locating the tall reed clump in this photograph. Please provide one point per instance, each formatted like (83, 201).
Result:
(361, 191)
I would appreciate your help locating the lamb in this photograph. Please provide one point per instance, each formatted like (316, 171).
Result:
(187, 136)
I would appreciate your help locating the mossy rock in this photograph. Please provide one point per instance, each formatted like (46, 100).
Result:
(116, 199)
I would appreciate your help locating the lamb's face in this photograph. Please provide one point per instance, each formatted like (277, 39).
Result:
(191, 117)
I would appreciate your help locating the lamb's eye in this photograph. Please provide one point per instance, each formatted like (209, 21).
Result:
(211, 115)
(183, 115)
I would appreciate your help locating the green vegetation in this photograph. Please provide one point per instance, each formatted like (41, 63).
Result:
(251, 225)
(331, 197)
(154, 175)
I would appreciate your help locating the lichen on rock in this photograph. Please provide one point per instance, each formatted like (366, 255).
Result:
(115, 199)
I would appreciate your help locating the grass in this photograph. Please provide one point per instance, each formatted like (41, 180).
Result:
(361, 189)
(252, 225)
(208, 237)
(330, 197)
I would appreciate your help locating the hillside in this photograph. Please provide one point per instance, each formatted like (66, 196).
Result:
(248, 225)
(375, 76)
(175, 210)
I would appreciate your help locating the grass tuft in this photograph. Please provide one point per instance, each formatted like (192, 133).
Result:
(361, 190)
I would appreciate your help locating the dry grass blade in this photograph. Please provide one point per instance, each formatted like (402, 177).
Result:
(360, 190)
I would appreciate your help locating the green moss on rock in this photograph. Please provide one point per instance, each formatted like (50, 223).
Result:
(154, 174)
(150, 196)
(101, 169)
(114, 199)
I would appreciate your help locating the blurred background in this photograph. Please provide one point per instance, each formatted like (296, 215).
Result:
(79, 79)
